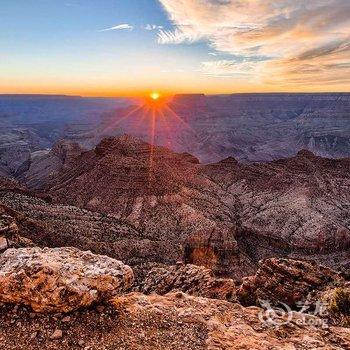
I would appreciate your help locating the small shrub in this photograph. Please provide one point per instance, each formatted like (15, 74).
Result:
(341, 301)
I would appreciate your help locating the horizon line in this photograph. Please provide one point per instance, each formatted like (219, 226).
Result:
(176, 94)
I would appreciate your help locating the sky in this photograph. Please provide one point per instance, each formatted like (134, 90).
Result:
(132, 47)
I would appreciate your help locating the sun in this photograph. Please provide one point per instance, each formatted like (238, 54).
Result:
(154, 95)
(155, 100)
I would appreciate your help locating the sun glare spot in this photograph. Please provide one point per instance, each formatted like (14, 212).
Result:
(155, 95)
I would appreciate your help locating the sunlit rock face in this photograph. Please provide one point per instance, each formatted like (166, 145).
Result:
(225, 216)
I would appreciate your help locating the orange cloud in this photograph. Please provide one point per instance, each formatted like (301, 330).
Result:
(304, 42)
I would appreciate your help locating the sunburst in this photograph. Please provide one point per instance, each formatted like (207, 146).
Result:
(155, 95)
(156, 111)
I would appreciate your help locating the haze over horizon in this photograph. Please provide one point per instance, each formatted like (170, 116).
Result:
(129, 48)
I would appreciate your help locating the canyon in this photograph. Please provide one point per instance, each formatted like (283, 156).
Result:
(231, 235)
(248, 127)
(161, 206)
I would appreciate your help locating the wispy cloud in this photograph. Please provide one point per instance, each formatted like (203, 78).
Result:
(176, 37)
(152, 27)
(123, 26)
(307, 41)
(230, 68)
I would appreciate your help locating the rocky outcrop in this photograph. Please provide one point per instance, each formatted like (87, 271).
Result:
(178, 321)
(10, 232)
(190, 279)
(60, 279)
(54, 225)
(287, 204)
(285, 280)
(8, 225)
(175, 321)
(158, 192)
(217, 250)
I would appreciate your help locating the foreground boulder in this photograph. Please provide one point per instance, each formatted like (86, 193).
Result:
(191, 279)
(285, 280)
(60, 279)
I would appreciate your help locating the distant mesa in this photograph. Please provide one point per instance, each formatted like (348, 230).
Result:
(191, 99)
(41, 96)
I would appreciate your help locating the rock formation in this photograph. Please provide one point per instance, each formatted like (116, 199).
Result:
(60, 279)
(43, 165)
(175, 321)
(153, 208)
(8, 230)
(226, 216)
(158, 192)
(54, 225)
(178, 321)
(16, 146)
(287, 281)
(217, 249)
(249, 127)
(190, 279)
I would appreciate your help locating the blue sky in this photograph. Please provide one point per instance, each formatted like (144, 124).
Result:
(51, 45)
(64, 46)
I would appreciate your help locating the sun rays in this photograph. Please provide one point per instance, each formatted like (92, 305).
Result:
(153, 120)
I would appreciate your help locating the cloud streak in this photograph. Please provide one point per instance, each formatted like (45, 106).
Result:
(226, 68)
(176, 37)
(123, 26)
(306, 41)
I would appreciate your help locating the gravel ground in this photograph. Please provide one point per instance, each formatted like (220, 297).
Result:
(99, 328)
